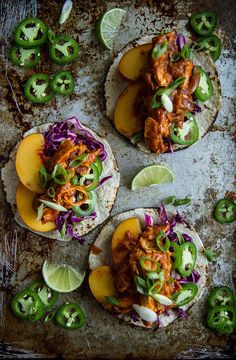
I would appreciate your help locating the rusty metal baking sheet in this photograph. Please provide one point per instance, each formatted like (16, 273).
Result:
(205, 172)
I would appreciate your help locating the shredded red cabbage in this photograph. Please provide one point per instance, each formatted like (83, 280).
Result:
(134, 316)
(167, 311)
(102, 181)
(169, 144)
(71, 129)
(194, 277)
(180, 41)
(196, 108)
(68, 218)
(187, 238)
(176, 219)
(163, 215)
(148, 220)
(182, 314)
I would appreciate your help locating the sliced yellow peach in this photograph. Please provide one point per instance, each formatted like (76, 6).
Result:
(24, 201)
(134, 61)
(28, 161)
(125, 119)
(131, 225)
(101, 283)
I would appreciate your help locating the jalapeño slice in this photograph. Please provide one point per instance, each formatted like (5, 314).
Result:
(63, 50)
(70, 316)
(27, 305)
(204, 22)
(37, 89)
(86, 208)
(188, 255)
(63, 83)
(25, 58)
(205, 90)
(189, 133)
(225, 211)
(211, 44)
(30, 33)
(185, 295)
(222, 319)
(222, 295)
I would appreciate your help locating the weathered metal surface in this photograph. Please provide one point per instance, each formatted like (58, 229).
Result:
(205, 172)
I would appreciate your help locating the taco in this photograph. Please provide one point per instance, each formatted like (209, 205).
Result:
(173, 95)
(61, 180)
(147, 267)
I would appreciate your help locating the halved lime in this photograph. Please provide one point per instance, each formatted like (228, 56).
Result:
(108, 26)
(152, 175)
(61, 277)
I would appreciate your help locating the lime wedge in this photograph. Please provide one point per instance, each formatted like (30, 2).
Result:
(108, 26)
(61, 277)
(152, 175)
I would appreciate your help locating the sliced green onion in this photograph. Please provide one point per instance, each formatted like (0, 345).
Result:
(44, 177)
(164, 300)
(53, 205)
(186, 52)
(136, 137)
(51, 192)
(40, 212)
(154, 103)
(142, 261)
(157, 286)
(162, 241)
(159, 50)
(141, 285)
(65, 12)
(167, 103)
(78, 160)
(112, 300)
(168, 90)
(152, 275)
(63, 230)
(75, 181)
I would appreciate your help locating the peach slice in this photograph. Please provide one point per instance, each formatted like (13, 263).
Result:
(131, 225)
(101, 283)
(134, 61)
(28, 161)
(24, 201)
(126, 121)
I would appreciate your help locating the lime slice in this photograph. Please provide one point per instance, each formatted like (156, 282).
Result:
(61, 277)
(152, 175)
(108, 26)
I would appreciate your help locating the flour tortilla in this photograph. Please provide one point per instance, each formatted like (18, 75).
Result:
(103, 243)
(106, 193)
(114, 85)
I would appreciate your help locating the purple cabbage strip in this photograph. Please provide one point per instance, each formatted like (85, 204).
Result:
(163, 215)
(182, 314)
(134, 316)
(102, 181)
(196, 108)
(194, 278)
(180, 41)
(167, 312)
(169, 144)
(187, 238)
(69, 218)
(148, 220)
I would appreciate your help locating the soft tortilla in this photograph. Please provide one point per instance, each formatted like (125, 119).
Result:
(114, 85)
(106, 194)
(104, 257)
